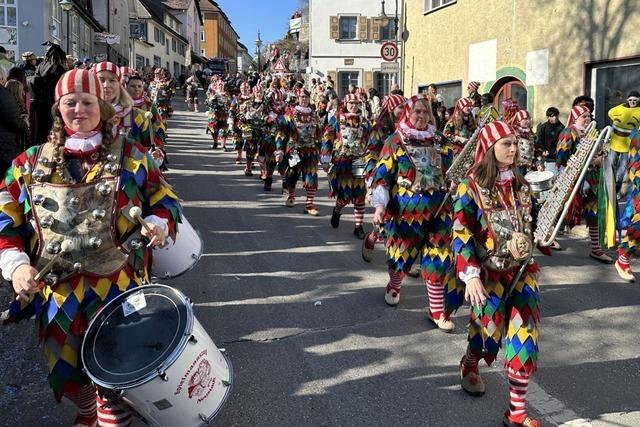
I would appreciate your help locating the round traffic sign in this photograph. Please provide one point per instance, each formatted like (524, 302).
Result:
(389, 51)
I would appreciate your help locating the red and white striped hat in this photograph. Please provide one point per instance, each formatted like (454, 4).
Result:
(78, 81)
(464, 102)
(390, 102)
(576, 112)
(489, 135)
(521, 115)
(473, 86)
(351, 97)
(125, 73)
(107, 66)
(245, 86)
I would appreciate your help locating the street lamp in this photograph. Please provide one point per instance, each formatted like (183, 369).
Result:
(258, 44)
(67, 6)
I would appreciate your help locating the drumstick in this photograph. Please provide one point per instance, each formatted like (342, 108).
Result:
(65, 246)
(136, 213)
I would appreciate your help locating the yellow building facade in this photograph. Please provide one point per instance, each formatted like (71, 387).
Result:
(541, 53)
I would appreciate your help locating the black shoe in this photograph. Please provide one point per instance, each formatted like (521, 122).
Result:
(359, 232)
(335, 219)
(267, 183)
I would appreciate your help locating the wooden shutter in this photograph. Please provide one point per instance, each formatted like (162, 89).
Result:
(334, 27)
(368, 79)
(363, 28)
(375, 29)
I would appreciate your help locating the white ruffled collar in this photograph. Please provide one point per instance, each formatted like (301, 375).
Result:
(83, 145)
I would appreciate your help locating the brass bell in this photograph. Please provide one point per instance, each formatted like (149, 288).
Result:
(53, 248)
(98, 213)
(44, 161)
(47, 221)
(135, 244)
(74, 201)
(503, 234)
(77, 266)
(528, 218)
(50, 279)
(527, 230)
(38, 174)
(95, 242)
(104, 189)
(39, 199)
(112, 157)
(484, 191)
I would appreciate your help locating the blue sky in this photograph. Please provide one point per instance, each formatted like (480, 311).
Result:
(270, 16)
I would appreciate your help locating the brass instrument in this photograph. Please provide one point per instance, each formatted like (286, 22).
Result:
(568, 183)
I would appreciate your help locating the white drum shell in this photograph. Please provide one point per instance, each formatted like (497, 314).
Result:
(172, 260)
(166, 402)
(540, 180)
(357, 168)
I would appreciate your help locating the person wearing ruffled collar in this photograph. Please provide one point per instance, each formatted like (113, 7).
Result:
(64, 208)
(492, 242)
(410, 195)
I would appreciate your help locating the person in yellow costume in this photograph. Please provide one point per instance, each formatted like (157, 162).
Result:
(625, 118)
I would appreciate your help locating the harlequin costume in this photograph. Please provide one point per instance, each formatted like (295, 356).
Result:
(525, 141)
(243, 103)
(409, 182)
(160, 93)
(631, 215)
(218, 113)
(460, 124)
(301, 154)
(192, 85)
(585, 205)
(96, 185)
(252, 127)
(344, 143)
(492, 239)
(274, 135)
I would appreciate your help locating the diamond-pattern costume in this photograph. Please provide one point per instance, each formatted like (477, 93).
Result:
(303, 130)
(64, 309)
(631, 216)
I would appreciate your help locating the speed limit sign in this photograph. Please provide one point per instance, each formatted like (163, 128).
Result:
(389, 51)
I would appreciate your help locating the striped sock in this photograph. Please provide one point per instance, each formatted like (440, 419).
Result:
(358, 214)
(395, 280)
(518, 384)
(85, 400)
(595, 244)
(339, 205)
(311, 196)
(469, 361)
(112, 413)
(435, 293)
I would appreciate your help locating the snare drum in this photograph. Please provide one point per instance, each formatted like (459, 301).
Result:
(357, 168)
(172, 260)
(540, 180)
(148, 348)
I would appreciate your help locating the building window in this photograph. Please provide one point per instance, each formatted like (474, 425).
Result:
(202, 36)
(86, 43)
(451, 91)
(382, 83)
(610, 83)
(157, 61)
(173, 45)
(176, 69)
(348, 27)
(388, 32)
(431, 5)
(75, 37)
(56, 19)
(8, 13)
(166, 47)
(140, 62)
(202, 52)
(346, 78)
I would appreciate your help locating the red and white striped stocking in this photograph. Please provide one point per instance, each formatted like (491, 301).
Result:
(518, 385)
(435, 293)
(112, 413)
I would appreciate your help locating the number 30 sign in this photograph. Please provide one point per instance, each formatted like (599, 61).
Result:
(389, 51)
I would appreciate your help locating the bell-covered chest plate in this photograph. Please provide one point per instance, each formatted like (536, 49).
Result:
(427, 163)
(352, 144)
(307, 131)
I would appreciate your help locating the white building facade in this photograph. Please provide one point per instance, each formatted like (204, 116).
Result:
(345, 43)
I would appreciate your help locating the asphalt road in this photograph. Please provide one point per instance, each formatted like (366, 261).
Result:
(312, 342)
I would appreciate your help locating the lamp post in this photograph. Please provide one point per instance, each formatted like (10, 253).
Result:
(67, 5)
(258, 44)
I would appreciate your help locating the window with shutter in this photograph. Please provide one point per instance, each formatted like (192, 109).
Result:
(363, 29)
(368, 79)
(334, 27)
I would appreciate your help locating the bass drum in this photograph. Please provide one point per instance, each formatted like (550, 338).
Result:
(147, 347)
(172, 260)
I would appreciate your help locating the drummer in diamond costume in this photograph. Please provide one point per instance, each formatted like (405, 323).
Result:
(410, 195)
(274, 135)
(584, 206)
(98, 177)
(492, 239)
(344, 143)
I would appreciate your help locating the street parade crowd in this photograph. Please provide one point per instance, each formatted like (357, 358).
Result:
(470, 233)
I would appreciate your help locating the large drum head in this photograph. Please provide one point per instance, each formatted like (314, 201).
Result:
(136, 335)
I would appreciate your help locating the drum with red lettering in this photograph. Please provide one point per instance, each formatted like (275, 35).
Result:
(148, 348)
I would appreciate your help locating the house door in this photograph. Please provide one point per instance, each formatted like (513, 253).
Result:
(509, 88)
